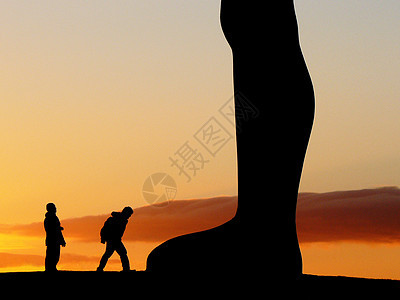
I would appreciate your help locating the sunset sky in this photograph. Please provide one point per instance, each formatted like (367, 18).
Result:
(96, 96)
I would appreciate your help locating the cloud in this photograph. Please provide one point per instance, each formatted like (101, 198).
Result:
(369, 215)
(17, 260)
(148, 224)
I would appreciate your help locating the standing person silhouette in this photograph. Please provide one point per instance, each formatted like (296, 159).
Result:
(111, 234)
(54, 238)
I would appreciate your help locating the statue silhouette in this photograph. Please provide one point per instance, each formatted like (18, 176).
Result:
(54, 238)
(111, 235)
(270, 72)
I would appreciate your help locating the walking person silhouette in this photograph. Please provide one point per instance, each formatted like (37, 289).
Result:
(111, 235)
(54, 238)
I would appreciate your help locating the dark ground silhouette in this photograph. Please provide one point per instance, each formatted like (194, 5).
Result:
(91, 284)
(270, 73)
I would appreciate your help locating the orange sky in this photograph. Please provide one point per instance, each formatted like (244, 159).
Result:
(22, 246)
(353, 233)
(97, 96)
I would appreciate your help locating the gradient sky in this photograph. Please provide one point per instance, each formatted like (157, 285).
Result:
(95, 96)
(352, 51)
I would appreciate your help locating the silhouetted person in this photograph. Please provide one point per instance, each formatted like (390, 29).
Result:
(111, 234)
(54, 238)
(269, 71)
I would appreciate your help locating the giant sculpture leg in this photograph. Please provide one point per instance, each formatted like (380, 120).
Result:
(270, 73)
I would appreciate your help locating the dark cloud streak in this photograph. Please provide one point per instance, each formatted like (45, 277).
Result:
(369, 215)
(148, 224)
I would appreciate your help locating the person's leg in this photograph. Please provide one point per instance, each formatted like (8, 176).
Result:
(121, 250)
(47, 260)
(51, 258)
(270, 152)
(56, 255)
(107, 254)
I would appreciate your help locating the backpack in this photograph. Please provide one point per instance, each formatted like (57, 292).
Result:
(107, 229)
